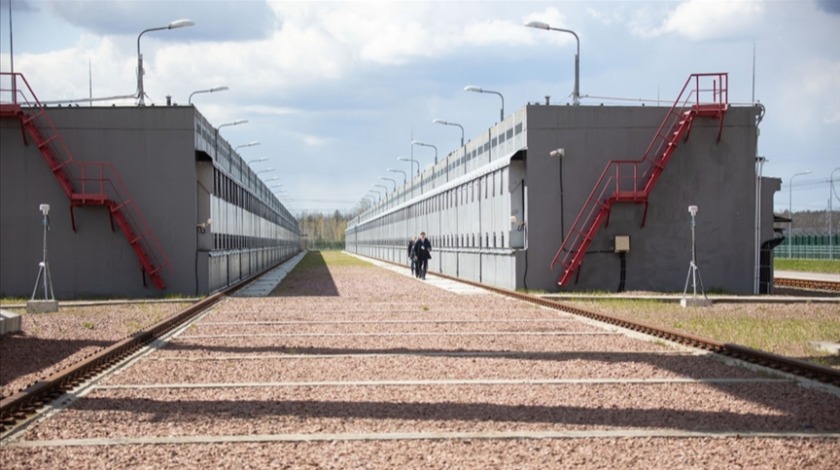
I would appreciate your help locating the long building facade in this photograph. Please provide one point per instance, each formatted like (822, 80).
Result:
(558, 198)
(145, 202)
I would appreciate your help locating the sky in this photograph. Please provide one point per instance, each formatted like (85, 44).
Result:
(335, 91)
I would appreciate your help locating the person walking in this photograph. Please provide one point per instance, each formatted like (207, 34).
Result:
(422, 253)
(411, 254)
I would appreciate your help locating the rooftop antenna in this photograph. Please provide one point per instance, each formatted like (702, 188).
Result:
(12, 55)
(753, 74)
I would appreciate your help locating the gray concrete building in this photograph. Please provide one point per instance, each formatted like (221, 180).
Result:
(145, 202)
(499, 209)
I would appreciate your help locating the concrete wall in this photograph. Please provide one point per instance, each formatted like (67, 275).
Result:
(163, 162)
(153, 151)
(718, 177)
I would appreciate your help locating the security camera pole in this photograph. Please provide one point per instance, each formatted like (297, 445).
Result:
(694, 272)
(49, 303)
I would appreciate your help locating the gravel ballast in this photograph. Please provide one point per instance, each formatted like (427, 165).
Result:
(367, 326)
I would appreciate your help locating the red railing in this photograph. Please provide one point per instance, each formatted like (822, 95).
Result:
(633, 180)
(85, 183)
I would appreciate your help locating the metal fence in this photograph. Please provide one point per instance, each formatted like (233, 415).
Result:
(809, 247)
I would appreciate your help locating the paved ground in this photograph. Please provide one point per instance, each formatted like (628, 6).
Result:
(809, 276)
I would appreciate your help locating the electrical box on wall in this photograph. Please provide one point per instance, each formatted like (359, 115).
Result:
(622, 243)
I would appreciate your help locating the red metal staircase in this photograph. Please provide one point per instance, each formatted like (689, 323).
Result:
(633, 180)
(84, 183)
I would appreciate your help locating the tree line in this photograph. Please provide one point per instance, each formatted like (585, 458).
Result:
(324, 231)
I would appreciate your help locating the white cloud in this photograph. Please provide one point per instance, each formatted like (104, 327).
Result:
(702, 19)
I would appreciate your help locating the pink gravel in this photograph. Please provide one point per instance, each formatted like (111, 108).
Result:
(363, 293)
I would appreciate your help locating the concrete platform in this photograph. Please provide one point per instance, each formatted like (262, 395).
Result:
(9, 322)
(263, 286)
(42, 306)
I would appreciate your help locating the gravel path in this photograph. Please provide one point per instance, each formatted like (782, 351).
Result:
(49, 342)
(356, 323)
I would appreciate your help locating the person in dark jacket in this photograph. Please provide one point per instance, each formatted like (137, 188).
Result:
(422, 254)
(411, 254)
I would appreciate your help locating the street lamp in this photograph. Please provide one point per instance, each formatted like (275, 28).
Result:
(273, 178)
(378, 194)
(447, 123)
(541, 25)
(267, 170)
(383, 186)
(249, 144)
(790, 211)
(141, 93)
(391, 180)
(482, 90)
(423, 144)
(413, 162)
(234, 123)
(227, 124)
(257, 160)
(209, 90)
(405, 177)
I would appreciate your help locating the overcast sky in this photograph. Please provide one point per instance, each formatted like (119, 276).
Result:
(334, 91)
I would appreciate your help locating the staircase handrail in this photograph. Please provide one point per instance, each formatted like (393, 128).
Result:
(720, 96)
(31, 101)
(109, 182)
(119, 194)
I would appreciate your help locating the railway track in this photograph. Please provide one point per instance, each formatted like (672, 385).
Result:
(24, 404)
(810, 284)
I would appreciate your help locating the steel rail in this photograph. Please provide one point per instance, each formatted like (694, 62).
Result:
(811, 284)
(28, 401)
(803, 369)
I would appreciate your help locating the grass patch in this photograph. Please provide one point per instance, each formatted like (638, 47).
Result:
(88, 325)
(323, 259)
(766, 334)
(646, 305)
(532, 291)
(808, 265)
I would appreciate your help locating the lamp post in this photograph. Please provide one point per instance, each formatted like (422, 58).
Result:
(266, 170)
(249, 144)
(257, 160)
(482, 90)
(377, 192)
(413, 162)
(447, 123)
(216, 141)
(391, 180)
(209, 90)
(141, 93)
(423, 144)
(790, 211)
(405, 177)
(541, 25)
(384, 187)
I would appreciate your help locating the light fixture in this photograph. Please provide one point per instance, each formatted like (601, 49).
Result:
(477, 89)
(141, 92)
